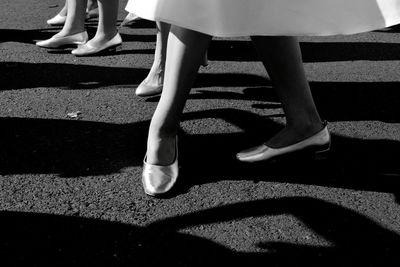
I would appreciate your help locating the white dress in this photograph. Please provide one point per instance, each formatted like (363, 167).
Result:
(229, 18)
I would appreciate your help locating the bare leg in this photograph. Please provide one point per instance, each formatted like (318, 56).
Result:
(75, 22)
(185, 52)
(60, 18)
(156, 75)
(106, 29)
(281, 57)
(63, 11)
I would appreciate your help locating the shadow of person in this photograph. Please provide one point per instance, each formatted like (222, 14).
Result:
(25, 36)
(66, 76)
(358, 101)
(74, 76)
(53, 240)
(352, 163)
(80, 148)
(70, 148)
(243, 50)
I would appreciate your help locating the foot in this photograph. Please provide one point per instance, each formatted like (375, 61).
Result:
(293, 134)
(153, 83)
(60, 40)
(129, 19)
(98, 45)
(158, 178)
(57, 20)
(290, 139)
(161, 151)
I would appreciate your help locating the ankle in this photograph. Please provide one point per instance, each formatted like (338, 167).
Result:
(155, 77)
(102, 36)
(160, 151)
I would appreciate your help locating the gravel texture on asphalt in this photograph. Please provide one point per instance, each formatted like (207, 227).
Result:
(70, 189)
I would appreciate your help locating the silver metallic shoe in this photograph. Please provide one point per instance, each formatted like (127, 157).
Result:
(157, 179)
(318, 143)
(57, 42)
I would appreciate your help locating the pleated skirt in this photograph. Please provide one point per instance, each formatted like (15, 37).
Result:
(231, 18)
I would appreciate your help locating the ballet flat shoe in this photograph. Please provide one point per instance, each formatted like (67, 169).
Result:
(57, 20)
(129, 19)
(157, 179)
(57, 42)
(148, 90)
(318, 143)
(88, 49)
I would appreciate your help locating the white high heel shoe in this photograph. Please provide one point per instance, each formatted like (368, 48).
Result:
(157, 179)
(57, 42)
(318, 143)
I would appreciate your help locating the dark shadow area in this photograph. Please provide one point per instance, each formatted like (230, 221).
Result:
(336, 101)
(70, 148)
(50, 240)
(66, 75)
(138, 37)
(70, 76)
(393, 29)
(26, 36)
(141, 24)
(231, 50)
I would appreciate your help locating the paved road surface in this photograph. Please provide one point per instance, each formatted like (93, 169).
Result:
(70, 187)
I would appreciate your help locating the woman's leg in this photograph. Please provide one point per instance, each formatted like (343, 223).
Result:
(75, 23)
(281, 57)
(63, 11)
(185, 52)
(153, 83)
(106, 29)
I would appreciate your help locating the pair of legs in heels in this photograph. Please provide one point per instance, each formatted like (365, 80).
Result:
(74, 32)
(281, 57)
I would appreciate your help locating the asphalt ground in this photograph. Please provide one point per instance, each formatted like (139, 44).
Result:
(70, 190)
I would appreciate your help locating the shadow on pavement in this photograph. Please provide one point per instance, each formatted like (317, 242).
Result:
(336, 101)
(69, 148)
(353, 163)
(70, 76)
(66, 75)
(357, 100)
(79, 148)
(50, 240)
(242, 50)
(26, 36)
